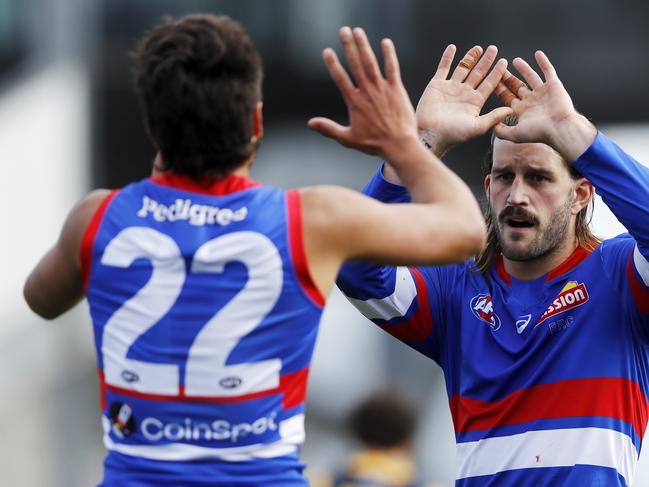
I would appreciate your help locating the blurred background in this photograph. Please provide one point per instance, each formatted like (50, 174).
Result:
(69, 122)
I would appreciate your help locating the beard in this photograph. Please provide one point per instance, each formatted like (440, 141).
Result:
(547, 240)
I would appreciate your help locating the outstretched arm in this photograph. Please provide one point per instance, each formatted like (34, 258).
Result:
(444, 222)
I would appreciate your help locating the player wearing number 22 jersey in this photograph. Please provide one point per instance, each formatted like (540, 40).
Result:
(205, 320)
(204, 310)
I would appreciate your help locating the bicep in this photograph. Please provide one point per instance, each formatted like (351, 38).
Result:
(55, 285)
(627, 271)
(638, 277)
(402, 234)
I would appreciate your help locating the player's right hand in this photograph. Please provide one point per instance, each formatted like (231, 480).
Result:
(381, 116)
(448, 112)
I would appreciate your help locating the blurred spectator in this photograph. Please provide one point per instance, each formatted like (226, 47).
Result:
(385, 424)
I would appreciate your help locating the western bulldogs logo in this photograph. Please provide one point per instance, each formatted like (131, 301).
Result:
(483, 309)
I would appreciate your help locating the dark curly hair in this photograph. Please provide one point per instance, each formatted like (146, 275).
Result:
(383, 420)
(198, 80)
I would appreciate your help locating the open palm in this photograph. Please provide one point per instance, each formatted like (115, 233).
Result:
(448, 111)
(541, 108)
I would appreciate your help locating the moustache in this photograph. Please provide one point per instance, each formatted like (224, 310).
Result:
(518, 213)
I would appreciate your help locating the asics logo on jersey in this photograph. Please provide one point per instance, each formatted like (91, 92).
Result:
(571, 296)
(154, 429)
(483, 309)
(195, 214)
(522, 323)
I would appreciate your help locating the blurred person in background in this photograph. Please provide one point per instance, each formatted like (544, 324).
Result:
(206, 288)
(543, 337)
(385, 425)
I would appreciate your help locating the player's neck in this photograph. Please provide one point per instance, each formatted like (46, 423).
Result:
(242, 171)
(533, 269)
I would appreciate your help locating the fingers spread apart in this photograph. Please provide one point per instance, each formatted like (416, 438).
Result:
(467, 63)
(338, 74)
(509, 88)
(352, 55)
(505, 94)
(490, 83)
(481, 68)
(392, 70)
(368, 59)
(545, 65)
(529, 75)
(445, 62)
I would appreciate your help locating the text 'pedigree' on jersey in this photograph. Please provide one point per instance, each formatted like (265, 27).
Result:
(571, 296)
(195, 214)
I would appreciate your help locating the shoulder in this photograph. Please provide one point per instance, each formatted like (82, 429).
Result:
(614, 255)
(454, 276)
(79, 218)
(326, 196)
(621, 243)
(85, 209)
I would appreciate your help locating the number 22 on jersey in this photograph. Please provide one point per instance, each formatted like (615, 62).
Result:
(206, 372)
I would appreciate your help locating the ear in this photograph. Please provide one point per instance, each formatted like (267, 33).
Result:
(487, 184)
(583, 194)
(258, 122)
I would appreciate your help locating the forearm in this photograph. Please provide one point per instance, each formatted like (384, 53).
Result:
(362, 280)
(572, 136)
(430, 141)
(428, 180)
(623, 184)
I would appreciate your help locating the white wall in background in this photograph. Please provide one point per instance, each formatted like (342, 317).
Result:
(44, 135)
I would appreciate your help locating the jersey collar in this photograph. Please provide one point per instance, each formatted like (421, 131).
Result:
(570, 263)
(206, 184)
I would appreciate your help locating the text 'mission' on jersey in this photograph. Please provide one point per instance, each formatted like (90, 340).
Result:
(205, 319)
(547, 379)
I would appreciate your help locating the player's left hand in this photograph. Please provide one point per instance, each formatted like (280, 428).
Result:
(544, 110)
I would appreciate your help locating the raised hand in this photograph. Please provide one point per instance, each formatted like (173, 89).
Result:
(381, 116)
(448, 111)
(544, 110)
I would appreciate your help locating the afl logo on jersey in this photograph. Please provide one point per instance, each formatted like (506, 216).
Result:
(483, 309)
(230, 382)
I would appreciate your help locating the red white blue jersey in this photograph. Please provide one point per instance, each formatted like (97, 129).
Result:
(547, 379)
(205, 319)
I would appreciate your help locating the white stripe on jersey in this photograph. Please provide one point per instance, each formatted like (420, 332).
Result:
(396, 304)
(549, 448)
(641, 265)
(291, 431)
